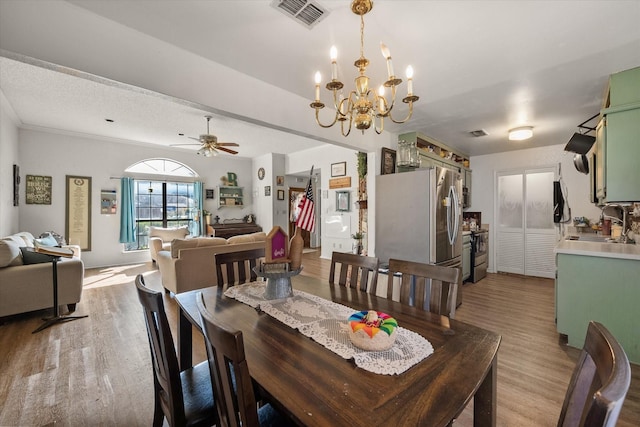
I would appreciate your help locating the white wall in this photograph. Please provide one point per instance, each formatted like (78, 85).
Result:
(57, 155)
(322, 158)
(8, 157)
(484, 185)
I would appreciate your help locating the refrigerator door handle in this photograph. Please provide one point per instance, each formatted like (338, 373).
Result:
(451, 227)
(456, 203)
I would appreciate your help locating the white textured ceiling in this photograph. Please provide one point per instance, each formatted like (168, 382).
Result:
(489, 65)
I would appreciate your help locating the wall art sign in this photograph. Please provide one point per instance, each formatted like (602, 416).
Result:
(38, 190)
(339, 169)
(78, 211)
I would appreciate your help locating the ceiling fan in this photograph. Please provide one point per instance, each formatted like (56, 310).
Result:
(210, 144)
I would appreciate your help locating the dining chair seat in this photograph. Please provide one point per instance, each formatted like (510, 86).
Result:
(354, 271)
(427, 286)
(232, 383)
(599, 383)
(183, 398)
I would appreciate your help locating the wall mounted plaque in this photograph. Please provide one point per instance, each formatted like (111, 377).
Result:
(38, 190)
(78, 211)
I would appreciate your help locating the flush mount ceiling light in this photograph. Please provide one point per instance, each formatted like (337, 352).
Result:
(362, 105)
(521, 133)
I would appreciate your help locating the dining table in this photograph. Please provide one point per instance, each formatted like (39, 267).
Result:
(314, 386)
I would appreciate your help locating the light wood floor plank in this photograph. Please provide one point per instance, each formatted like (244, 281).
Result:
(97, 371)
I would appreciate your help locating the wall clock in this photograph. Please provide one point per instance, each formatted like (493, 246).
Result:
(261, 173)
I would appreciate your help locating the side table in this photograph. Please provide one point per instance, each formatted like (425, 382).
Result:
(57, 317)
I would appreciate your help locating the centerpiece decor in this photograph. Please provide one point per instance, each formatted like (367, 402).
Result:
(282, 262)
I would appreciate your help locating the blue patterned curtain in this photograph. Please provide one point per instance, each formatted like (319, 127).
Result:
(127, 211)
(198, 227)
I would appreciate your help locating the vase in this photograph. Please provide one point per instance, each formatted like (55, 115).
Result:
(296, 245)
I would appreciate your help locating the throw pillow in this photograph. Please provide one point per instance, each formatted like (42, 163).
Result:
(9, 253)
(30, 256)
(47, 241)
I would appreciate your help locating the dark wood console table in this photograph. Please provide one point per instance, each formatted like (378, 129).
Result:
(228, 230)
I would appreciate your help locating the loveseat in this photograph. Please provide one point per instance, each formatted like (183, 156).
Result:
(190, 264)
(27, 287)
(160, 239)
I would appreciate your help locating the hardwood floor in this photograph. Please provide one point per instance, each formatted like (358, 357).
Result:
(97, 371)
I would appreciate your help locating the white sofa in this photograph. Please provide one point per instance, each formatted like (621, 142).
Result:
(29, 287)
(160, 239)
(190, 264)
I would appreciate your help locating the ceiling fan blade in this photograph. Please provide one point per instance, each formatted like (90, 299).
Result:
(226, 150)
(227, 144)
(196, 139)
(179, 145)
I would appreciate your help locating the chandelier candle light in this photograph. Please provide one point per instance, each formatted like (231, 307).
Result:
(363, 105)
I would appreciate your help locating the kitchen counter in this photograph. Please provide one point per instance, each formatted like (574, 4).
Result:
(597, 249)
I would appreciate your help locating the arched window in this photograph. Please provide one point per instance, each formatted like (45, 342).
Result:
(161, 166)
(165, 195)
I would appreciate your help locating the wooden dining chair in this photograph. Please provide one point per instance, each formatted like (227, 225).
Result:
(242, 261)
(355, 271)
(599, 383)
(232, 384)
(427, 286)
(183, 398)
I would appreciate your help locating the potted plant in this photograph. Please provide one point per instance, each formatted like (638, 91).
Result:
(207, 216)
(357, 247)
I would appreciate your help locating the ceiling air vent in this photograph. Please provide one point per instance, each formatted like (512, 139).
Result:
(305, 12)
(479, 133)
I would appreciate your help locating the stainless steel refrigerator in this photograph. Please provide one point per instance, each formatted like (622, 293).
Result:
(419, 217)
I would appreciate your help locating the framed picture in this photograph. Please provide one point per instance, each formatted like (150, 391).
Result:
(339, 169)
(267, 190)
(342, 201)
(280, 194)
(108, 202)
(388, 162)
(280, 180)
(209, 194)
(78, 211)
(38, 190)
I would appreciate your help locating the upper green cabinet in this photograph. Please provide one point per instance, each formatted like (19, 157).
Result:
(618, 141)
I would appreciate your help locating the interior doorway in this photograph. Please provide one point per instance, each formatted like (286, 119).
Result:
(295, 195)
(526, 233)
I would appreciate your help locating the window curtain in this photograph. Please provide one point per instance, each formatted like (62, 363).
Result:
(127, 211)
(198, 224)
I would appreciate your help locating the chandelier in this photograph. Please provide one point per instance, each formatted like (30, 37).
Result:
(363, 106)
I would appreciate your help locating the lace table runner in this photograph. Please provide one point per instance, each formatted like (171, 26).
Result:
(326, 323)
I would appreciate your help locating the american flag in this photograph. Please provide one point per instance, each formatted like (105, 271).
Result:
(306, 218)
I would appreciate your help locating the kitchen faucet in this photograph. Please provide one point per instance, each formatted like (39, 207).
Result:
(623, 208)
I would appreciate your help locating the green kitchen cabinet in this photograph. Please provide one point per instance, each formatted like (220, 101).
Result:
(603, 289)
(622, 158)
(617, 148)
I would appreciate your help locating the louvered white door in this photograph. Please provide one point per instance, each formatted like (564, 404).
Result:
(526, 234)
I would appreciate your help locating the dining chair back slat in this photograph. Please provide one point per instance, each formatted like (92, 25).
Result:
(427, 286)
(354, 271)
(232, 383)
(242, 262)
(192, 405)
(599, 383)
